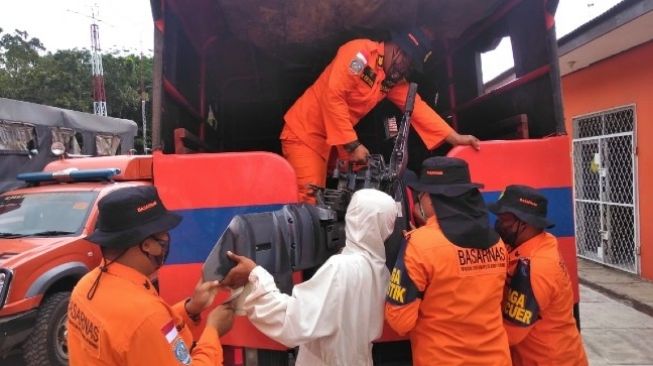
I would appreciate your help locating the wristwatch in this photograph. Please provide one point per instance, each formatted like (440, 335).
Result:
(350, 147)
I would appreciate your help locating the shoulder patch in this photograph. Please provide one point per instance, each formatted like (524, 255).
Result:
(357, 64)
(169, 331)
(519, 304)
(181, 352)
(401, 289)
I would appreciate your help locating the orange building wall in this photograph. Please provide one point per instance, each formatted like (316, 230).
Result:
(623, 79)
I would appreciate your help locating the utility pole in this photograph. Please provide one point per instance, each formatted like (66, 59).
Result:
(144, 99)
(99, 95)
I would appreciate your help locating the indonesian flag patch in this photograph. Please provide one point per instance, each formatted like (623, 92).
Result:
(170, 331)
(178, 346)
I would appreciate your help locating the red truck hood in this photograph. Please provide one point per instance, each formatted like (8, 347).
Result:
(14, 250)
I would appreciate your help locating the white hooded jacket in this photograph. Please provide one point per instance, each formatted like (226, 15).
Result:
(334, 316)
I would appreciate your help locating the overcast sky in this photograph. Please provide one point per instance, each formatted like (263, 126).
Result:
(127, 24)
(63, 24)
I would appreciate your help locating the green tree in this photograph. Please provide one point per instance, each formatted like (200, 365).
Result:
(63, 78)
(126, 76)
(19, 56)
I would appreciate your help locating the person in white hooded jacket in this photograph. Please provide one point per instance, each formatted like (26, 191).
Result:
(335, 315)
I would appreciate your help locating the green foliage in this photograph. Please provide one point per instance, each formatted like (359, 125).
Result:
(63, 78)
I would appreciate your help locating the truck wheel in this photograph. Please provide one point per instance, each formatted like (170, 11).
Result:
(47, 345)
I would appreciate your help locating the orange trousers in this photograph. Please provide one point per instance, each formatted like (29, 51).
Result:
(310, 167)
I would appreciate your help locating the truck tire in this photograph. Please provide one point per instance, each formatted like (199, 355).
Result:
(47, 345)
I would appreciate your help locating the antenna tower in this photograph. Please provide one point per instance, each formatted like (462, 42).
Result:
(99, 96)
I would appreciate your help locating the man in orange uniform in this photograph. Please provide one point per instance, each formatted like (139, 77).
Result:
(363, 73)
(115, 315)
(445, 290)
(538, 299)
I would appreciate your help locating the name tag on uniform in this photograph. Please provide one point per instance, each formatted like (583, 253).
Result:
(368, 76)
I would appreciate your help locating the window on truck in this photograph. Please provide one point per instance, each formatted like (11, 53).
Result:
(68, 138)
(44, 214)
(17, 137)
(107, 144)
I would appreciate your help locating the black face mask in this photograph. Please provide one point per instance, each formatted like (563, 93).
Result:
(158, 260)
(508, 235)
(398, 71)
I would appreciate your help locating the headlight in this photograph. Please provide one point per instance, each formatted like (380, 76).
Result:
(5, 278)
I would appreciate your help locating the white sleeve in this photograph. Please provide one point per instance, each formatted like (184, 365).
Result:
(297, 319)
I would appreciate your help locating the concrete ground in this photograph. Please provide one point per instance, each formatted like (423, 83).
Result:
(622, 286)
(616, 315)
(613, 332)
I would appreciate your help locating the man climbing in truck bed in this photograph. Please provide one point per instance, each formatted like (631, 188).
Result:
(363, 73)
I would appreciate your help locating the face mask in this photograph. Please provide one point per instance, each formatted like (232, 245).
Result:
(158, 260)
(398, 69)
(507, 234)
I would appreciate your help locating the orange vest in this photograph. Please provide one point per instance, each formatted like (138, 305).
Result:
(538, 306)
(448, 299)
(127, 323)
(349, 87)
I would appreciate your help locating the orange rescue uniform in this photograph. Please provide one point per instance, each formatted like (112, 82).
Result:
(538, 307)
(455, 316)
(128, 323)
(325, 115)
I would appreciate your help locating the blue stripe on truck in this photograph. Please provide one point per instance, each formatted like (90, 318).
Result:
(561, 209)
(194, 238)
(199, 230)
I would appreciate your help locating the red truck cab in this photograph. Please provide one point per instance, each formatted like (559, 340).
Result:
(43, 251)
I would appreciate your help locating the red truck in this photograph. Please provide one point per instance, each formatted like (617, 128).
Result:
(43, 251)
(226, 72)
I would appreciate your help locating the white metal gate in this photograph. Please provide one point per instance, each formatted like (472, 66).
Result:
(605, 188)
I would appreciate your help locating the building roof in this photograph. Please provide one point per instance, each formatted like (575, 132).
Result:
(624, 26)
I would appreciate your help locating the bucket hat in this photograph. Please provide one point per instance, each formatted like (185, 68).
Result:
(443, 175)
(130, 215)
(415, 44)
(525, 202)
